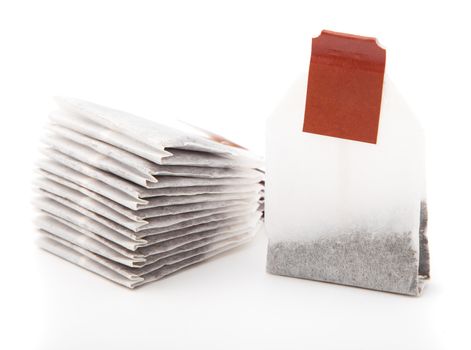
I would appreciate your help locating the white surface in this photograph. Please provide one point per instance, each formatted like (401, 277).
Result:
(225, 67)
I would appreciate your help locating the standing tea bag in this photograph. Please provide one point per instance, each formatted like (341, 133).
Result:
(345, 191)
(135, 201)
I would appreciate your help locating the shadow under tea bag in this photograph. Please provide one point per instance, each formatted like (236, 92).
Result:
(345, 180)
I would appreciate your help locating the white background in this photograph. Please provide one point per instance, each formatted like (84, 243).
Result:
(225, 66)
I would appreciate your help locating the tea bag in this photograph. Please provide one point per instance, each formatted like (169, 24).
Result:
(345, 197)
(135, 201)
(103, 267)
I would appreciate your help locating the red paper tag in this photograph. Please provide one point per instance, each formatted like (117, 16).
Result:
(345, 86)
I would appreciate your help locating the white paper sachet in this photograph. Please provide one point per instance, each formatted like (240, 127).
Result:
(138, 257)
(64, 233)
(142, 215)
(51, 223)
(157, 136)
(109, 195)
(111, 238)
(117, 151)
(50, 187)
(105, 268)
(125, 238)
(90, 157)
(162, 260)
(100, 161)
(135, 190)
(143, 166)
(134, 201)
(144, 231)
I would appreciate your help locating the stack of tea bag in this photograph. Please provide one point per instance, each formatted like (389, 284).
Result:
(135, 201)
